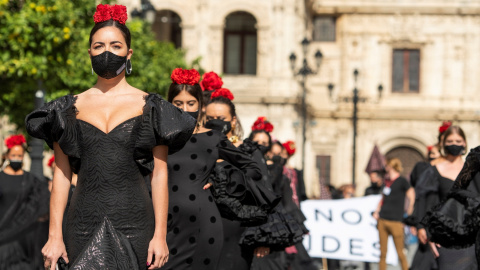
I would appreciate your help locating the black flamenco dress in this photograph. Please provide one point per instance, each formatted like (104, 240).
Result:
(110, 219)
(24, 199)
(195, 231)
(461, 257)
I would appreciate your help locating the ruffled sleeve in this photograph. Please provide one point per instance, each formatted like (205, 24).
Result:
(55, 122)
(162, 124)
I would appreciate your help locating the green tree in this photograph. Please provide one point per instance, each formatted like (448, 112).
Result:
(46, 41)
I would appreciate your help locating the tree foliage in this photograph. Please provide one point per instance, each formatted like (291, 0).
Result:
(46, 41)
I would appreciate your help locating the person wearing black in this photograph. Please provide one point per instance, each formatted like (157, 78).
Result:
(23, 202)
(436, 187)
(390, 211)
(376, 180)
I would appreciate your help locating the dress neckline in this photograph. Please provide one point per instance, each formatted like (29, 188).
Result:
(438, 172)
(145, 97)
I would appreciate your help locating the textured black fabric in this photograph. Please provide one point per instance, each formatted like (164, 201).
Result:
(393, 203)
(110, 220)
(195, 231)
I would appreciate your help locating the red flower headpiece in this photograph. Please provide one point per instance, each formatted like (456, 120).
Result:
(185, 76)
(15, 140)
(429, 148)
(211, 81)
(222, 92)
(106, 12)
(290, 147)
(50, 161)
(444, 126)
(262, 124)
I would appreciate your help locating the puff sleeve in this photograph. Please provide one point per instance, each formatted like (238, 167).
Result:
(56, 122)
(162, 124)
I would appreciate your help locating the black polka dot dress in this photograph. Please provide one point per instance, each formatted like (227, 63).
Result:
(195, 230)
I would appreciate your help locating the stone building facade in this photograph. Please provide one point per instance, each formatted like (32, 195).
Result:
(424, 53)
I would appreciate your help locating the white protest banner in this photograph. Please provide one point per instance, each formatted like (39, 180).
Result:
(344, 230)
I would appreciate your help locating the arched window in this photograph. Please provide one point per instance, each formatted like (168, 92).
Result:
(408, 156)
(167, 27)
(240, 44)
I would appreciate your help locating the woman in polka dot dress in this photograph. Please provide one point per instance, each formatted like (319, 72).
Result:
(194, 229)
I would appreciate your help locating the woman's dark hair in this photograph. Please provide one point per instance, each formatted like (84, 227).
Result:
(454, 130)
(4, 156)
(111, 22)
(194, 90)
(255, 132)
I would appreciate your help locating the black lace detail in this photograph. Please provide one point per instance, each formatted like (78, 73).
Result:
(470, 168)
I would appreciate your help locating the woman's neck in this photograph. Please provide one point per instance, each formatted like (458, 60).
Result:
(111, 86)
(8, 170)
(453, 159)
(394, 175)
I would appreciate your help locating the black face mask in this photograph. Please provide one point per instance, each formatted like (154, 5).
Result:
(16, 164)
(108, 65)
(193, 114)
(454, 150)
(263, 149)
(278, 159)
(220, 125)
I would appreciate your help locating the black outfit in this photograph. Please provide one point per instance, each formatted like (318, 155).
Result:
(374, 189)
(454, 222)
(110, 220)
(195, 231)
(417, 171)
(25, 199)
(394, 202)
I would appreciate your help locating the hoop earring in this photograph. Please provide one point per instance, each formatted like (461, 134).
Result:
(129, 67)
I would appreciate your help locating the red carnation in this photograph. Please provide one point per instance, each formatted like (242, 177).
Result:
(222, 92)
(14, 140)
(102, 14)
(262, 124)
(185, 76)
(50, 161)
(211, 81)
(119, 13)
(444, 126)
(430, 148)
(290, 147)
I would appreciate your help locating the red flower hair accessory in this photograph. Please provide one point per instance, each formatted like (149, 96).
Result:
(50, 161)
(222, 92)
(15, 140)
(262, 124)
(106, 12)
(444, 126)
(185, 76)
(211, 81)
(290, 147)
(429, 148)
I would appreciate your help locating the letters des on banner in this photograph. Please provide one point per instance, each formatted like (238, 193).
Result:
(344, 230)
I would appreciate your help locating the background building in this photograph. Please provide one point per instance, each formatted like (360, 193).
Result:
(424, 53)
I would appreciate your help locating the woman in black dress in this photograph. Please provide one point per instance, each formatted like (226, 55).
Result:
(111, 135)
(23, 200)
(437, 186)
(195, 231)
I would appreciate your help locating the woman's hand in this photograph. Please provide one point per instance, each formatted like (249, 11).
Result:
(158, 248)
(261, 252)
(207, 186)
(422, 235)
(375, 215)
(434, 249)
(52, 251)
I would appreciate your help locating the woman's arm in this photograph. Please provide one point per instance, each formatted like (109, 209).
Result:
(376, 214)
(159, 179)
(55, 248)
(411, 200)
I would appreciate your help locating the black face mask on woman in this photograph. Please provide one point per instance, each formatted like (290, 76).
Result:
(264, 149)
(16, 164)
(193, 114)
(108, 65)
(454, 150)
(220, 125)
